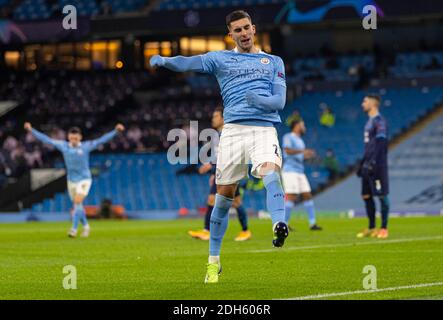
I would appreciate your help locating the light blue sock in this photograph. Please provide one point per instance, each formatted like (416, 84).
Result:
(81, 210)
(309, 207)
(289, 205)
(219, 223)
(76, 218)
(275, 197)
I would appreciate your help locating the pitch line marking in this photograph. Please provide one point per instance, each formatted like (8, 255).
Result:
(338, 294)
(350, 244)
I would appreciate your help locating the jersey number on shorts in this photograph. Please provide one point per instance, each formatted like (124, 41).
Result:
(276, 150)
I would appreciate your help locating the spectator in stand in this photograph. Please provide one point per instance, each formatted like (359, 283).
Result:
(433, 65)
(33, 156)
(295, 116)
(327, 117)
(134, 136)
(19, 165)
(10, 144)
(330, 163)
(3, 177)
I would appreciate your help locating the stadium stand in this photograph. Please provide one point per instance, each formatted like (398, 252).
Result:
(80, 97)
(416, 176)
(417, 64)
(44, 9)
(84, 7)
(59, 100)
(401, 108)
(29, 10)
(204, 4)
(334, 68)
(119, 6)
(32, 10)
(131, 178)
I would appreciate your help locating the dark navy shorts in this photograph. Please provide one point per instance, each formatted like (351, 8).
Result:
(376, 186)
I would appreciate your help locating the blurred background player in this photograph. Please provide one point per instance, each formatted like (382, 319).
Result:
(253, 88)
(76, 157)
(373, 168)
(295, 181)
(217, 123)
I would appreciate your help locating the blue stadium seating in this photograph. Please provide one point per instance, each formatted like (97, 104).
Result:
(417, 64)
(4, 2)
(43, 9)
(206, 4)
(303, 68)
(148, 181)
(85, 8)
(400, 107)
(119, 6)
(308, 67)
(415, 177)
(32, 10)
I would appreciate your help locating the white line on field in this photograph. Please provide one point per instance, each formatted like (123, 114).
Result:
(376, 241)
(338, 294)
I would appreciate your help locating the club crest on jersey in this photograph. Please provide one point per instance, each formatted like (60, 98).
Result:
(265, 61)
(218, 173)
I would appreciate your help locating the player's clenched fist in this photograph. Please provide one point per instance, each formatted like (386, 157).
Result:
(27, 126)
(157, 61)
(251, 98)
(119, 127)
(309, 154)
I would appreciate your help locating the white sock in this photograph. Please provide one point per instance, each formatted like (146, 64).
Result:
(214, 259)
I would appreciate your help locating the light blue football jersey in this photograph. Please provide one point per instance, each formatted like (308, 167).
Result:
(76, 158)
(238, 73)
(294, 162)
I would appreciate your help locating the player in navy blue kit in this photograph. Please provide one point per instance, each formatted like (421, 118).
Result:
(253, 88)
(76, 156)
(373, 168)
(245, 234)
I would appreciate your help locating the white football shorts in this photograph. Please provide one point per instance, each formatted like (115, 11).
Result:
(241, 145)
(81, 187)
(295, 183)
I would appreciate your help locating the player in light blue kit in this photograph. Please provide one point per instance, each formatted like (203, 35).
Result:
(253, 88)
(76, 157)
(295, 181)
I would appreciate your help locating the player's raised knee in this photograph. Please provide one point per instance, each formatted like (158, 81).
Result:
(227, 191)
(267, 168)
(78, 199)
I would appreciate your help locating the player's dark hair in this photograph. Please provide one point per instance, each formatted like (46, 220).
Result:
(375, 97)
(74, 130)
(236, 15)
(219, 109)
(295, 122)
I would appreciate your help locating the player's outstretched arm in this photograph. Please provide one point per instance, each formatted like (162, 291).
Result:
(43, 137)
(292, 151)
(178, 63)
(93, 144)
(274, 102)
(307, 153)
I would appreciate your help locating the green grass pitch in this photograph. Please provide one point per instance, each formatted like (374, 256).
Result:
(158, 260)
